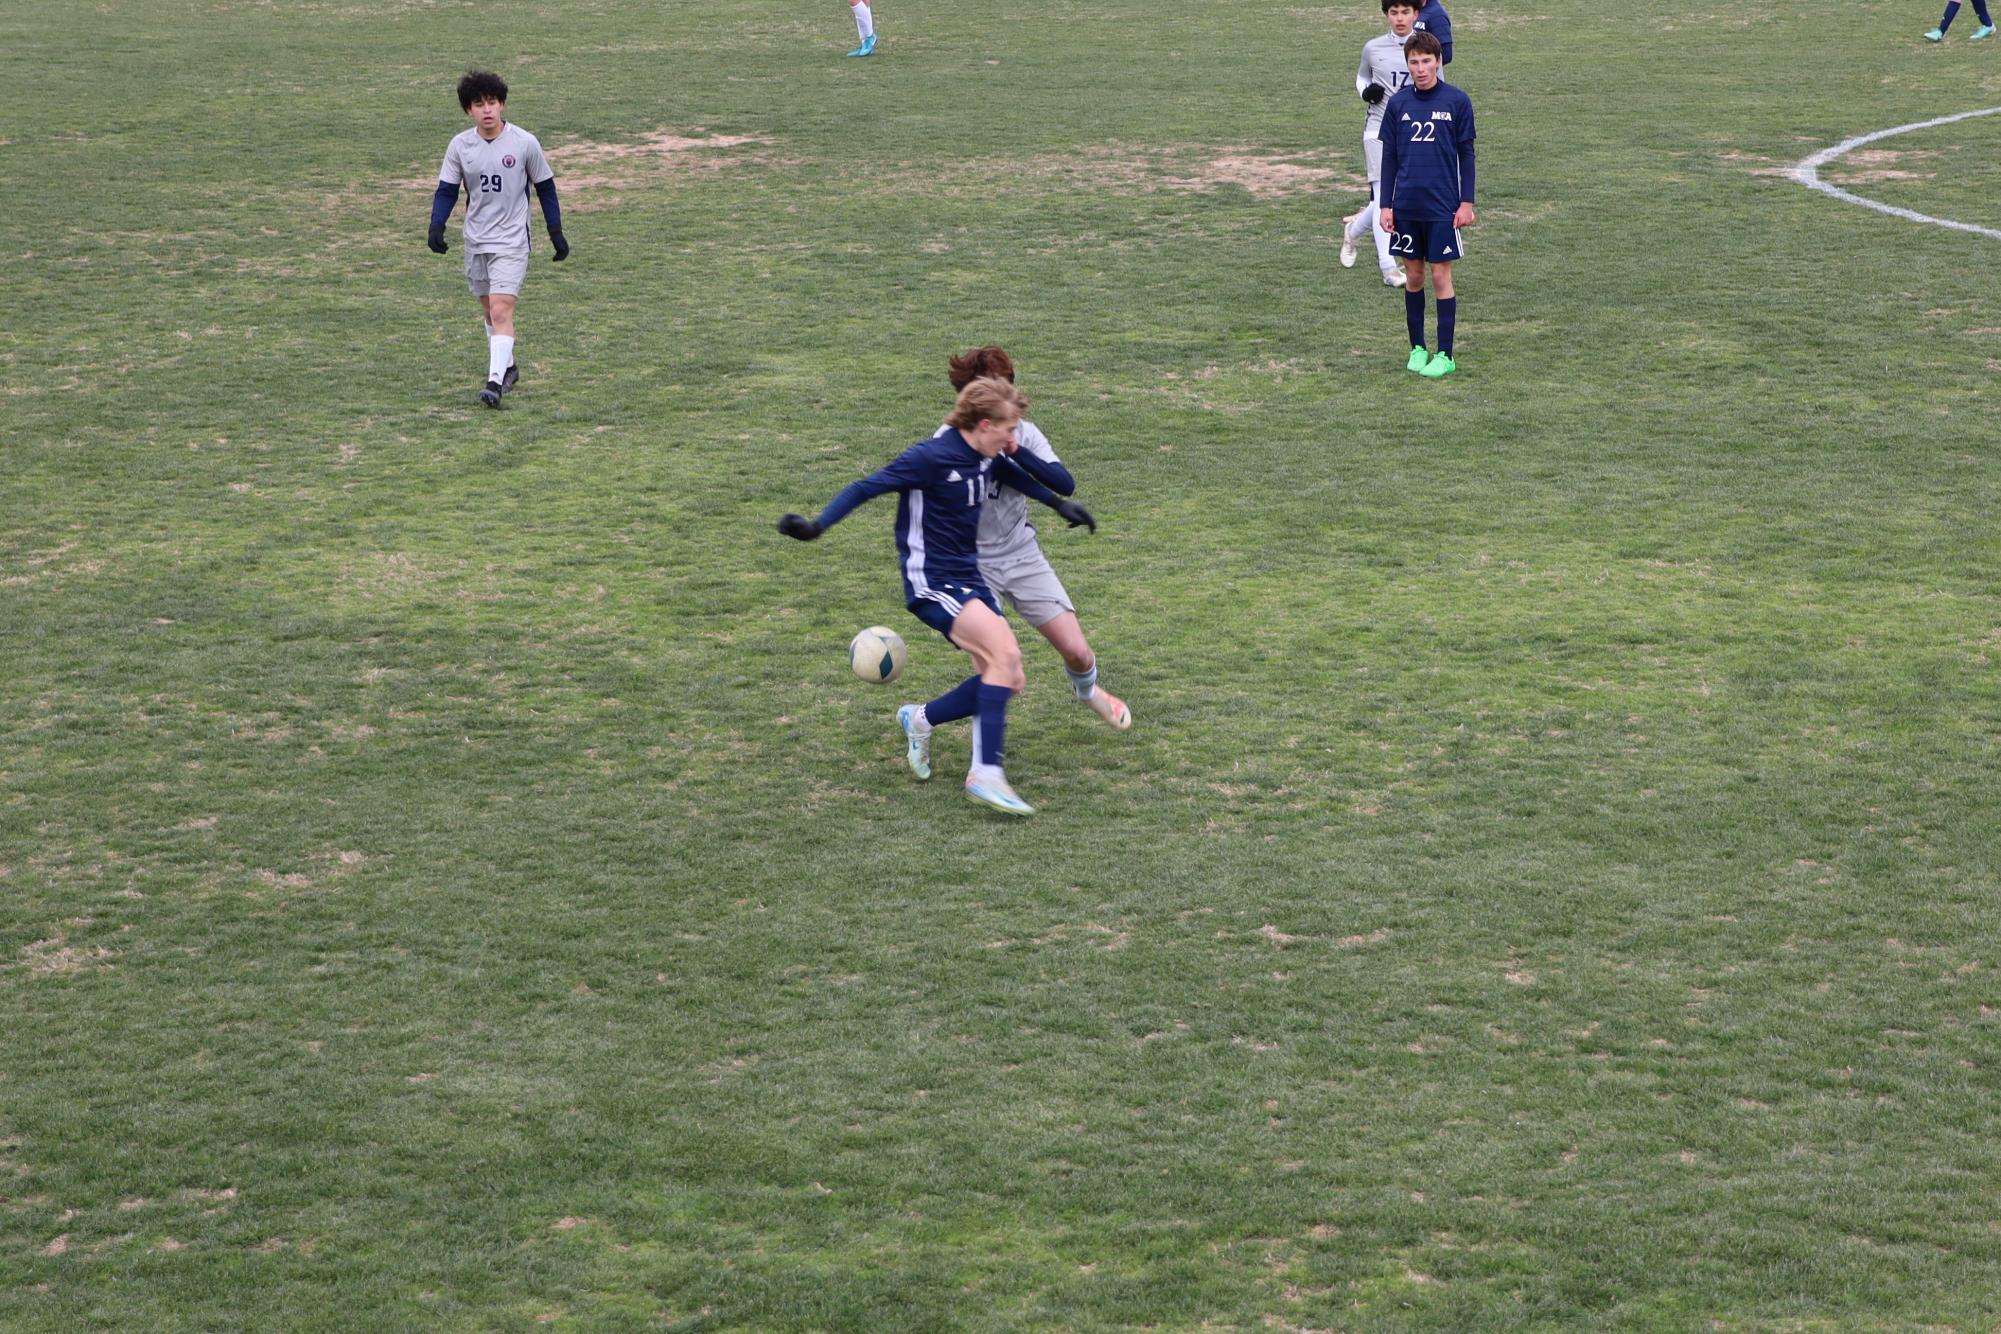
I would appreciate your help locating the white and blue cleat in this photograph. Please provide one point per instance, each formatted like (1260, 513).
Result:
(867, 48)
(1983, 31)
(917, 745)
(996, 793)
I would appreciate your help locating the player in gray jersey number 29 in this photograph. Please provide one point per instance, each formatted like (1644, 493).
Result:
(495, 163)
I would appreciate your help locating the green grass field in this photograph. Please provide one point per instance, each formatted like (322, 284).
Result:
(449, 878)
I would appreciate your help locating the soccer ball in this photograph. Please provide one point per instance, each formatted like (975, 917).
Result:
(877, 655)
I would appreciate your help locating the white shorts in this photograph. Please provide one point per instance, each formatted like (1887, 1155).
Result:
(496, 275)
(1027, 584)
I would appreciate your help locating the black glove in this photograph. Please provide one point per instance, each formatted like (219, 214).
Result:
(437, 239)
(1373, 94)
(562, 246)
(801, 527)
(1075, 515)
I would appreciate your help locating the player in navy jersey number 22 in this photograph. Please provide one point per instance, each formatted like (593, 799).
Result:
(942, 490)
(1427, 134)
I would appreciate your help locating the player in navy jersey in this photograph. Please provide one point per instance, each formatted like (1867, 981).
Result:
(942, 489)
(1986, 28)
(495, 162)
(1427, 134)
(1434, 20)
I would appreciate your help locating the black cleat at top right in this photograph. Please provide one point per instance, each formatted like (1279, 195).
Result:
(510, 378)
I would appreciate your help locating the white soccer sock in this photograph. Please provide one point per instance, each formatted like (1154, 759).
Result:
(489, 328)
(1084, 682)
(864, 22)
(920, 722)
(986, 773)
(1360, 223)
(499, 356)
(1383, 260)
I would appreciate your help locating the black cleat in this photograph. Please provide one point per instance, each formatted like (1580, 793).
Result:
(491, 394)
(510, 378)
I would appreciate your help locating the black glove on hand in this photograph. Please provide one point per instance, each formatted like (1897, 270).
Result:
(1373, 94)
(1075, 515)
(801, 527)
(562, 246)
(437, 239)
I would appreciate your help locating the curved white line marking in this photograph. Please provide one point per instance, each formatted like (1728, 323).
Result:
(1807, 172)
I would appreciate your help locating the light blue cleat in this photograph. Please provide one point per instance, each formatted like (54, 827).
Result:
(867, 48)
(917, 745)
(996, 793)
(1935, 35)
(1984, 30)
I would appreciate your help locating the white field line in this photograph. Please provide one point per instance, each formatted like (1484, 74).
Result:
(1807, 172)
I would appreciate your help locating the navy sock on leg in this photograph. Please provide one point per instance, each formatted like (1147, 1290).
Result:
(958, 702)
(1413, 316)
(1448, 320)
(1980, 8)
(993, 722)
(1951, 13)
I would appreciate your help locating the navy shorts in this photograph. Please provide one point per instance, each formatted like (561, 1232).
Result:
(941, 604)
(1434, 242)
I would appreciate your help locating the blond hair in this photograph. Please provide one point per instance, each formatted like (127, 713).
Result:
(986, 400)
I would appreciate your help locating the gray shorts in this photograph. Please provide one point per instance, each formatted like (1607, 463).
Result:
(1372, 149)
(496, 275)
(1027, 584)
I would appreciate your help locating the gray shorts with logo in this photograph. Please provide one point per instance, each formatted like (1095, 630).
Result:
(496, 275)
(1026, 583)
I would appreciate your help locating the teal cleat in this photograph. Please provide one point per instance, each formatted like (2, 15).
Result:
(1984, 30)
(1439, 367)
(996, 793)
(867, 48)
(1935, 35)
(917, 745)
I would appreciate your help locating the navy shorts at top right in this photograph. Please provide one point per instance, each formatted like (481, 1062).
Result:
(946, 601)
(1433, 242)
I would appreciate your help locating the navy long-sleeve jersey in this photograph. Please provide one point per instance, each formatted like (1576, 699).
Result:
(1434, 20)
(942, 483)
(1427, 152)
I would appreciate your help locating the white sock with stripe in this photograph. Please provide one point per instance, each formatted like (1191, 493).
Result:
(499, 356)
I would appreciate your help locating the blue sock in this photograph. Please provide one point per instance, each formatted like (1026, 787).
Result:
(1448, 320)
(1084, 682)
(1951, 13)
(991, 726)
(1413, 316)
(1980, 8)
(958, 702)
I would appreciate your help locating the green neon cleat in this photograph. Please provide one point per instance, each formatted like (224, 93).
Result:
(1418, 356)
(1439, 367)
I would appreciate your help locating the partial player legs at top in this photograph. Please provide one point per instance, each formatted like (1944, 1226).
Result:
(1986, 28)
(864, 28)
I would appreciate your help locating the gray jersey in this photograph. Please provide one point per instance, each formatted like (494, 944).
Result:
(497, 177)
(1382, 63)
(1004, 528)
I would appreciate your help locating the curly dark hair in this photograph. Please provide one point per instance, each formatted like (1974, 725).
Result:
(981, 363)
(478, 85)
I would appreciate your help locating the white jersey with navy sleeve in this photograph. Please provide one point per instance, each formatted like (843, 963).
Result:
(1383, 65)
(497, 175)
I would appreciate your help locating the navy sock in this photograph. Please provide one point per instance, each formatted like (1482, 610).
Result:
(992, 724)
(958, 702)
(1980, 8)
(1448, 320)
(1951, 13)
(1413, 315)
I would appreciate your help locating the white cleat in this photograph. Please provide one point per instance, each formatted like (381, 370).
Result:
(996, 793)
(1347, 246)
(1392, 279)
(1110, 707)
(917, 745)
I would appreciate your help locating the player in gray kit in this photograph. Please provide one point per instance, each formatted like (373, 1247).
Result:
(1382, 72)
(495, 163)
(1011, 560)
